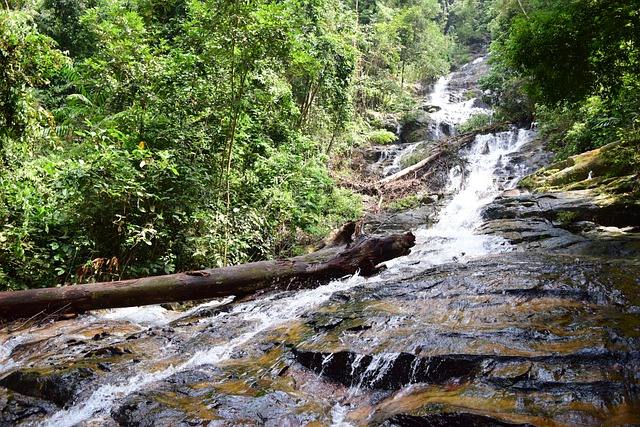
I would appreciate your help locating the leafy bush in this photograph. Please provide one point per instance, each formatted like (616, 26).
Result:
(475, 122)
(141, 137)
(381, 137)
(410, 202)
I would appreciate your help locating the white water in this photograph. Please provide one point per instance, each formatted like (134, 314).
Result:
(153, 315)
(265, 314)
(6, 348)
(399, 155)
(452, 238)
(453, 109)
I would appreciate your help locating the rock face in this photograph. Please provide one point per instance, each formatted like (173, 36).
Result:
(458, 344)
(418, 128)
(569, 212)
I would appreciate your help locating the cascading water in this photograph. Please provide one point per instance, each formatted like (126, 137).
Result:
(451, 106)
(451, 239)
(263, 315)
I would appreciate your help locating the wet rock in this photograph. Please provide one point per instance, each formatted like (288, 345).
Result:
(388, 222)
(532, 156)
(568, 206)
(149, 413)
(326, 324)
(416, 128)
(479, 102)
(108, 351)
(274, 409)
(173, 404)
(16, 409)
(388, 371)
(100, 336)
(57, 385)
(568, 222)
(430, 108)
(455, 419)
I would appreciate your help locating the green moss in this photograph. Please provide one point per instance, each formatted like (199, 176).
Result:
(566, 217)
(609, 170)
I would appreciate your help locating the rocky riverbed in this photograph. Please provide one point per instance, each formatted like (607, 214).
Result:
(516, 307)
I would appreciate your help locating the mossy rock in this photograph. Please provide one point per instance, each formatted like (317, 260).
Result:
(601, 170)
(57, 386)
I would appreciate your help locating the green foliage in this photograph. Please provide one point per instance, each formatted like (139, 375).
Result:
(402, 43)
(506, 93)
(143, 137)
(578, 62)
(409, 202)
(475, 122)
(61, 20)
(469, 20)
(28, 60)
(572, 48)
(381, 137)
(566, 217)
(624, 158)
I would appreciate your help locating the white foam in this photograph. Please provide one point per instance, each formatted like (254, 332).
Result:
(152, 315)
(6, 348)
(453, 237)
(266, 313)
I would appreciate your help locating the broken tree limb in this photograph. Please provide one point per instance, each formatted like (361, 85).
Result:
(238, 280)
(412, 169)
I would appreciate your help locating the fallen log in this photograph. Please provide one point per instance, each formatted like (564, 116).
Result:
(412, 169)
(240, 280)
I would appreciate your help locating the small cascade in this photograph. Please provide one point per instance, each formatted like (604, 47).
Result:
(396, 163)
(263, 314)
(452, 106)
(453, 237)
(485, 172)
(6, 348)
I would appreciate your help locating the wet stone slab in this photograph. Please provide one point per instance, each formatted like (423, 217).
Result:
(461, 343)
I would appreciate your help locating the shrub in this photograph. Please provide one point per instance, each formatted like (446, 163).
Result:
(475, 122)
(381, 137)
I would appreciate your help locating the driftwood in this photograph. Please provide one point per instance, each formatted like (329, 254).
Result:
(238, 280)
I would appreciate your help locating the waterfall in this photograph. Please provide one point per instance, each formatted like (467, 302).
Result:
(451, 239)
(453, 107)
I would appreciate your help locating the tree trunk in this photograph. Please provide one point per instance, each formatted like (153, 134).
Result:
(238, 280)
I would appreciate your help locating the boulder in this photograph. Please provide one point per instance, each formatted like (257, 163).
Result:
(55, 385)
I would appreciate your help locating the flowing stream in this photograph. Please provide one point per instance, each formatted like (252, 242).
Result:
(432, 319)
(451, 106)
(450, 238)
